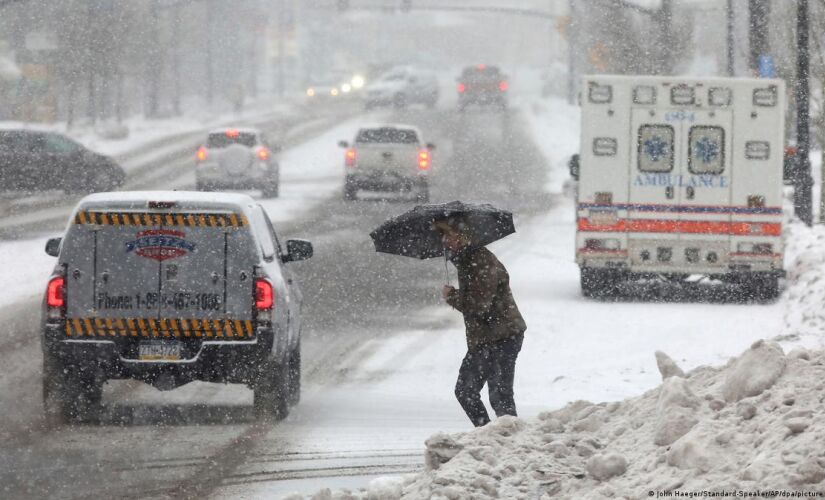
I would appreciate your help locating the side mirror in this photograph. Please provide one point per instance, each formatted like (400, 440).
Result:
(343, 144)
(53, 246)
(430, 146)
(573, 165)
(297, 250)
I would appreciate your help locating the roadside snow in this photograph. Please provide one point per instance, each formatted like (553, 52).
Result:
(28, 272)
(756, 422)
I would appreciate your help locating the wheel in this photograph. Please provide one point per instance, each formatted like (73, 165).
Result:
(422, 194)
(271, 391)
(761, 288)
(70, 396)
(295, 375)
(350, 190)
(271, 190)
(599, 282)
(399, 101)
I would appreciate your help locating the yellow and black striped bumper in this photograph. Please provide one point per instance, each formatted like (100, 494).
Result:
(211, 329)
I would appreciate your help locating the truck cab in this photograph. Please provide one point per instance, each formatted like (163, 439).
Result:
(680, 177)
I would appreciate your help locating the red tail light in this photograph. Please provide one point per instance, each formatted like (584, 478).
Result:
(461, 88)
(55, 292)
(349, 158)
(264, 295)
(502, 86)
(233, 133)
(423, 160)
(263, 154)
(201, 154)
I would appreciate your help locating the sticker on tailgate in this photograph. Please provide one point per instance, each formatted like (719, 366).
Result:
(160, 244)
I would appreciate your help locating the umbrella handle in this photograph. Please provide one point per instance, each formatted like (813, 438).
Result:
(446, 269)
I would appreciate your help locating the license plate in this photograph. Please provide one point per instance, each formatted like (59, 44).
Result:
(159, 351)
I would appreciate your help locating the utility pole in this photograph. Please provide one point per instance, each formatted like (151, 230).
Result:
(572, 29)
(803, 184)
(664, 19)
(729, 37)
(210, 81)
(758, 13)
(175, 43)
(281, 45)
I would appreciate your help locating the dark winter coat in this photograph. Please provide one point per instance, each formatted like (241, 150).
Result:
(484, 298)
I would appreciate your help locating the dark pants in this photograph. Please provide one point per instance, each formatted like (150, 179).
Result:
(495, 365)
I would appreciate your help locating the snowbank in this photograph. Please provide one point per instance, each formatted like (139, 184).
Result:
(770, 438)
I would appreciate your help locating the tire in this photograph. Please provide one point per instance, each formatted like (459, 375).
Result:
(294, 375)
(599, 282)
(69, 396)
(271, 392)
(399, 101)
(350, 190)
(761, 288)
(422, 194)
(271, 190)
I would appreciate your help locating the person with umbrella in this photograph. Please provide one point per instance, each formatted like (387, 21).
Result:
(494, 326)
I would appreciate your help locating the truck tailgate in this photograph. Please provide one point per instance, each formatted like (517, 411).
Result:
(160, 275)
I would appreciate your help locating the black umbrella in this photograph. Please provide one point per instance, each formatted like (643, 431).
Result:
(412, 234)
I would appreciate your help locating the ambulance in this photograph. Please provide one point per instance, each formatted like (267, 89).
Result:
(680, 177)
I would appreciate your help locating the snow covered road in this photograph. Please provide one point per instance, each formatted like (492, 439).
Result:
(380, 350)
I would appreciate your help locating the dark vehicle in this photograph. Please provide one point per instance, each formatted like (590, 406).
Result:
(482, 85)
(168, 288)
(237, 159)
(37, 161)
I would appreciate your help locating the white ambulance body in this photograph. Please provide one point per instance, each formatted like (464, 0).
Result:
(678, 177)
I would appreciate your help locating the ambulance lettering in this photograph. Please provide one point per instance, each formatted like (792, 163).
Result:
(679, 180)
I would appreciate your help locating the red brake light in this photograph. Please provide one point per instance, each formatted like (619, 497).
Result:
(55, 292)
(263, 154)
(264, 294)
(502, 86)
(349, 158)
(481, 66)
(232, 133)
(423, 160)
(791, 150)
(461, 88)
(201, 154)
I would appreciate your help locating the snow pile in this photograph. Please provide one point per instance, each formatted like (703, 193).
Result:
(805, 282)
(755, 423)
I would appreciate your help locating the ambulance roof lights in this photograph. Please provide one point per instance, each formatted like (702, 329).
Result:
(599, 94)
(765, 96)
(757, 150)
(682, 95)
(720, 96)
(644, 94)
(605, 146)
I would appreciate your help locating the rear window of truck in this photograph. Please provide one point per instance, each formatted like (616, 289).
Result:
(387, 136)
(226, 139)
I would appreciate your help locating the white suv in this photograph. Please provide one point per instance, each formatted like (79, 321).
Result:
(236, 158)
(402, 86)
(387, 158)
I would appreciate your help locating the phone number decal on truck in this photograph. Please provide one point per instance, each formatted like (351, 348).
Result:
(179, 301)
